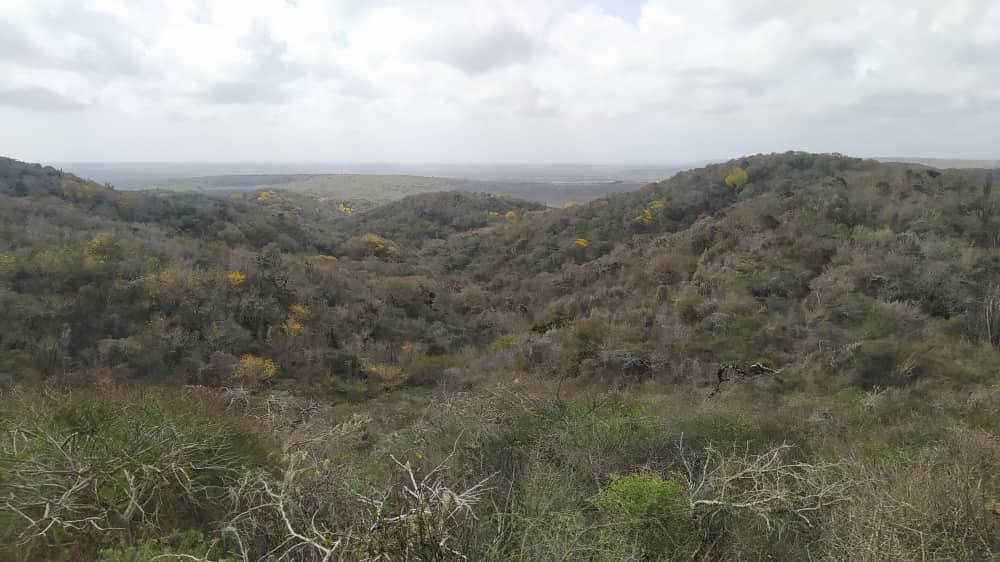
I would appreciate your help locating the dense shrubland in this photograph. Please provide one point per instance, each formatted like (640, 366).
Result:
(780, 357)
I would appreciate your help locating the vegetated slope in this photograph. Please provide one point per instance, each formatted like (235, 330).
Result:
(944, 163)
(810, 255)
(370, 190)
(803, 255)
(436, 216)
(850, 306)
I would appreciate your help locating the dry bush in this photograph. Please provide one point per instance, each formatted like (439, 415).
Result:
(939, 506)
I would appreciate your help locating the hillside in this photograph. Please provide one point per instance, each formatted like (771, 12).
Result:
(369, 190)
(778, 357)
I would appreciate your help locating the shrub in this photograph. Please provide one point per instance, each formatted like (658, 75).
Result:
(502, 343)
(551, 322)
(688, 308)
(654, 509)
(178, 545)
(427, 370)
(95, 467)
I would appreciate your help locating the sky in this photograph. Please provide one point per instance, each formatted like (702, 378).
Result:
(480, 81)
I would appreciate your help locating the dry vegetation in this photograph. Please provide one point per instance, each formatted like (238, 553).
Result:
(781, 357)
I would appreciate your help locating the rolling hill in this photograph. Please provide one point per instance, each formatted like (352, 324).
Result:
(777, 357)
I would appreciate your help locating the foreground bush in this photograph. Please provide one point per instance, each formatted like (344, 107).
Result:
(90, 469)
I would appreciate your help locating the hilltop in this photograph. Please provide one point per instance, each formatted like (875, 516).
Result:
(818, 332)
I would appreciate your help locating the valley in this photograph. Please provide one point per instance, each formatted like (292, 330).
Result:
(780, 356)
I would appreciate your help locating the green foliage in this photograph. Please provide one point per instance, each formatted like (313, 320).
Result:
(142, 453)
(502, 343)
(871, 288)
(551, 322)
(719, 428)
(428, 370)
(656, 510)
(688, 308)
(177, 545)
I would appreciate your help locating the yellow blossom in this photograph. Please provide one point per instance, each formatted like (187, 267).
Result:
(266, 196)
(582, 242)
(235, 279)
(292, 327)
(99, 250)
(737, 178)
(510, 215)
(252, 367)
(376, 245)
(646, 216)
(386, 375)
(7, 263)
(300, 310)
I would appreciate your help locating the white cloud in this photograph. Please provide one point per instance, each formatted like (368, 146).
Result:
(501, 80)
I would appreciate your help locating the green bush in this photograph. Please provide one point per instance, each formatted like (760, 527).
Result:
(149, 462)
(502, 343)
(688, 308)
(427, 370)
(719, 429)
(656, 510)
(178, 545)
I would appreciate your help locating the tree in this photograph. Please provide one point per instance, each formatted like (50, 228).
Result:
(737, 178)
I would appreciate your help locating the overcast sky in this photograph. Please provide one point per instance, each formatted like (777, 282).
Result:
(653, 81)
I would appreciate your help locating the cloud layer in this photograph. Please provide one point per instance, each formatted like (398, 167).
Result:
(496, 80)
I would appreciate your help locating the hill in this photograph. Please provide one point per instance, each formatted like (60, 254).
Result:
(368, 190)
(944, 163)
(775, 357)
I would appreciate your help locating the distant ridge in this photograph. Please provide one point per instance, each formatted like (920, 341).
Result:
(958, 163)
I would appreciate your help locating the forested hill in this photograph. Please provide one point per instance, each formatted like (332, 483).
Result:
(791, 298)
(777, 257)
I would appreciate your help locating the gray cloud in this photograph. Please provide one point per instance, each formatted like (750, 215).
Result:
(478, 51)
(15, 46)
(619, 80)
(74, 39)
(265, 79)
(910, 105)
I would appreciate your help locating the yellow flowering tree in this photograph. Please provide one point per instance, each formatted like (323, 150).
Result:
(253, 369)
(293, 326)
(737, 178)
(235, 279)
(510, 215)
(375, 245)
(101, 249)
(650, 212)
(7, 263)
(173, 286)
(386, 376)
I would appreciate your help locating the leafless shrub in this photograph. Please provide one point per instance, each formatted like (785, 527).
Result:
(307, 513)
(770, 486)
